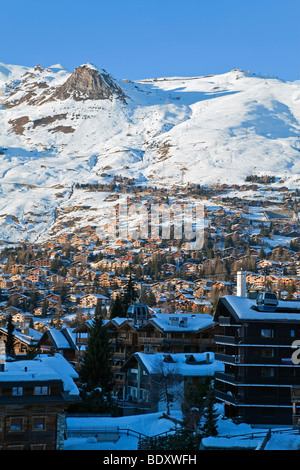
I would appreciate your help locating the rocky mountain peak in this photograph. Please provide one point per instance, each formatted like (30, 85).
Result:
(35, 87)
(88, 83)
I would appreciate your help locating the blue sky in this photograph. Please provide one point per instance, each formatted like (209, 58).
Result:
(141, 39)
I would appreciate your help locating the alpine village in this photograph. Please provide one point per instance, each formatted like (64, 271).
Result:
(186, 347)
(123, 327)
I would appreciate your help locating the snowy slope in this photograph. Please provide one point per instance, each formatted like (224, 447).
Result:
(166, 131)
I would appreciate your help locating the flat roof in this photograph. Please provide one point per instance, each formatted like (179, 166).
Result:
(242, 308)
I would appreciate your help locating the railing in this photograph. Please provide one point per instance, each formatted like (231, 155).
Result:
(247, 359)
(113, 431)
(256, 380)
(257, 434)
(258, 400)
(251, 340)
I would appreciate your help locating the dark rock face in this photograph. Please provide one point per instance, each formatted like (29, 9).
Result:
(87, 83)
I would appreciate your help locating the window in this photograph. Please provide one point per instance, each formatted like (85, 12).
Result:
(16, 424)
(41, 390)
(267, 352)
(268, 372)
(38, 447)
(267, 392)
(39, 423)
(267, 333)
(268, 412)
(292, 333)
(17, 391)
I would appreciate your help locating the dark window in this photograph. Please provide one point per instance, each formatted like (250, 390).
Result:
(39, 423)
(267, 333)
(16, 424)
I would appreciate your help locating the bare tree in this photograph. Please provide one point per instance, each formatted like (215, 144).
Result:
(166, 381)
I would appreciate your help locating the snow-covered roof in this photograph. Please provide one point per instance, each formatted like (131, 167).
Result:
(60, 339)
(182, 322)
(42, 368)
(181, 363)
(26, 339)
(243, 308)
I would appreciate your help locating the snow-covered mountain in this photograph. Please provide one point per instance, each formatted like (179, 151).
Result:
(59, 128)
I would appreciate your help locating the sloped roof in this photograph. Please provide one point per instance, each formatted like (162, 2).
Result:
(42, 368)
(181, 363)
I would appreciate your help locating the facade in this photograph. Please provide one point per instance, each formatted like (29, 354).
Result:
(22, 341)
(149, 377)
(60, 341)
(156, 333)
(259, 373)
(34, 395)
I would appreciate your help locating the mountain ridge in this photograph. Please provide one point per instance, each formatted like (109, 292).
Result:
(58, 129)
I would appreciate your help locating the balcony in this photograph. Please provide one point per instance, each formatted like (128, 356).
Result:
(150, 340)
(227, 358)
(252, 341)
(226, 397)
(253, 380)
(227, 378)
(250, 360)
(227, 340)
(226, 321)
(251, 400)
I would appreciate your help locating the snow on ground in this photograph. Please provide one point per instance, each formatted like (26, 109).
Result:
(147, 424)
(230, 435)
(171, 130)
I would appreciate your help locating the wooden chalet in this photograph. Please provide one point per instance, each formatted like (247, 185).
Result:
(34, 397)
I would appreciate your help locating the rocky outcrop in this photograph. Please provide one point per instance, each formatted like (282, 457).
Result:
(87, 83)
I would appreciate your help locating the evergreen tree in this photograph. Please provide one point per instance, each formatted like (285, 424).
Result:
(98, 308)
(45, 308)
(32, 352)
(210, 414)
(130, 295)
(95, 370)
(194, 397)
(151, 299)
(116, 307)
(10, 341)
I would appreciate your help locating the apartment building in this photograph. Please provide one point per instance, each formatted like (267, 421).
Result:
(257, 350)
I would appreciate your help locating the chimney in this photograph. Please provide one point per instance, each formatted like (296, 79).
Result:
(241, 284)
(2, 356)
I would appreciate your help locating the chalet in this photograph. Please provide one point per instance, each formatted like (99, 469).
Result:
(6, 283)
(91, 300)
(22, 342)
(174, 333)
(42, 272)
(144, 372)
(17, 277)
(18, 268)
(55, 278)
(34, 396)
(22, 319)
(61, 341)
(42, 262)
(34, 277)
